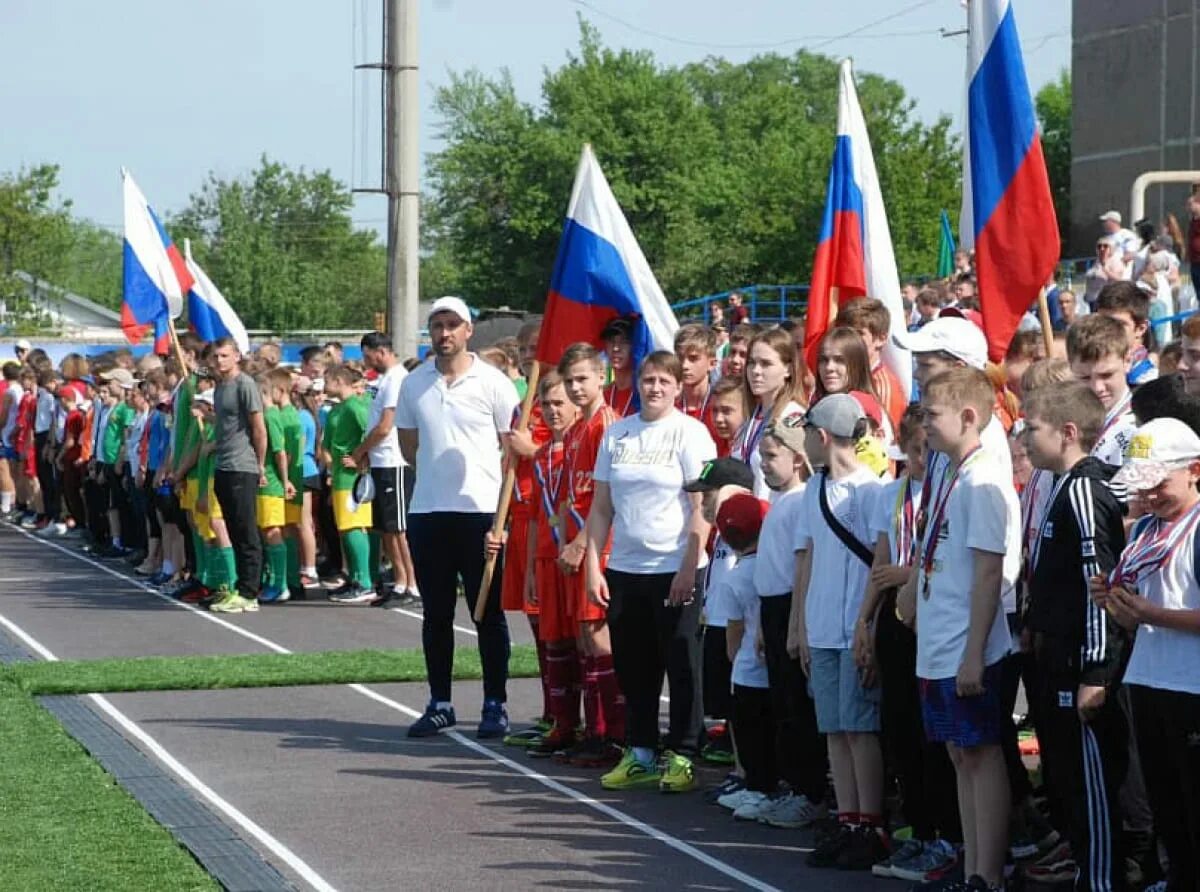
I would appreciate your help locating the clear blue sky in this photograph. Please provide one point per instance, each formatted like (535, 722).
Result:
(173, 90)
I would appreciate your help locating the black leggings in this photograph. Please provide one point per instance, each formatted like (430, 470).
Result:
(754, 731)
(649, 640)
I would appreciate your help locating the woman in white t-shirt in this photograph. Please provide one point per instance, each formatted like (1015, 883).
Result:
(772, 391)
(650, 586)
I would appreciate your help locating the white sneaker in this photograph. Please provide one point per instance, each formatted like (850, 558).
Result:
(739, 798)
(792, 812)
(753, 811)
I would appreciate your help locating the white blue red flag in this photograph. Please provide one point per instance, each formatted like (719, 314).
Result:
(601, 273)
(155, 276)
(854, 252)
(1008, 212)
(209, 313)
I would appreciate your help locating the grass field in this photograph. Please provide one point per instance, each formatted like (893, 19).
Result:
(65, 824)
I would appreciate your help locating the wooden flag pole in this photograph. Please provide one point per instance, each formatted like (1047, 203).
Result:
(1044, 318)
(510, 479)
(183, 368)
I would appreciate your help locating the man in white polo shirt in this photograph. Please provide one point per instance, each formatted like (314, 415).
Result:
(452, 415)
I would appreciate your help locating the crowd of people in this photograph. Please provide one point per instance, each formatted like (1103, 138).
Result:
(844, 584)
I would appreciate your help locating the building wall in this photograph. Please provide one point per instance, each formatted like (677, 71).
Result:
(1135, 75)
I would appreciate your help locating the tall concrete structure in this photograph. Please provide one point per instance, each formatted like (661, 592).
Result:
(1135, 75)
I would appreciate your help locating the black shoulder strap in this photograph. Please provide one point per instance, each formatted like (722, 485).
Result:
(860, 551)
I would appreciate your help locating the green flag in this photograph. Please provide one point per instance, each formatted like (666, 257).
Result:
(945, 249)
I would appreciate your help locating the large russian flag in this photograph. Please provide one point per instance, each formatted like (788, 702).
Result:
(1008, 212)
(155, 276)
(854, 253)
(601, 273)
(209, 313)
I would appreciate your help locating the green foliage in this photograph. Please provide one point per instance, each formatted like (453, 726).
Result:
(91, 266)
(34, 234)
(720, 168)
(1053, 102)
(280, 245)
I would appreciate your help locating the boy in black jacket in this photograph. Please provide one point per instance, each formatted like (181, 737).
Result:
(1078, 650)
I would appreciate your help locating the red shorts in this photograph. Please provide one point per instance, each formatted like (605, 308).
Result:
(556, 620)
(585, 610)
(512, 585)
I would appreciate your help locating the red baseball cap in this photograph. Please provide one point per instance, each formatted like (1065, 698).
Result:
(970, 315)
(739, 519)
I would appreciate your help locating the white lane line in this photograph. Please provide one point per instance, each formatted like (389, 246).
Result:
(571, 793)
(130, 727)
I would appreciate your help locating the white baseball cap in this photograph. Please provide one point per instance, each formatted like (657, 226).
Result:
(23, 345)
(455, 305)
(1156, 449)
(1114, 216)
(959, 337)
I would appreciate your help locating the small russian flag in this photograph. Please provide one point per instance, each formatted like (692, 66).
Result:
(209, 313)
(155, 276)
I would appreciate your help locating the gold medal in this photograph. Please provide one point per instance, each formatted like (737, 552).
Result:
(553, 521)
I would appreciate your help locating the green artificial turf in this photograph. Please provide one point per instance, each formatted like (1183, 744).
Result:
(245, 671)
(64, 822)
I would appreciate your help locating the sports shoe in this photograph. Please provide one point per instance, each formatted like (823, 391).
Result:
(552, 744)
(235, 603)
(935, 861)
(273, 595)
(630, 774)
(718, 752)
(731, 784)
(593, 753)
(906, 851)
(679, 775)
(1160, 886)
(866, 848)
(792, 811)
(198, 594)
(434, 721)
(493, 721)
(353, 595)
(1052, 874)
(976, 883)
(739, 798)
(1061, 852)
(527, 738)
(334, 581)
(29, 522)
(307, 581)
(146, 569)
(828, 850)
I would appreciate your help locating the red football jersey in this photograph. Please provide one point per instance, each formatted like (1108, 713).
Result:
(549, 485)
(581, 445)
(620, 400)
(523, 486)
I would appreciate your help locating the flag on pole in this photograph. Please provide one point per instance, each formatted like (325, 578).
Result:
(854, 253)
(945, 266)
(601, 273)
(154, 276)
(1008, 212)
(209, 313)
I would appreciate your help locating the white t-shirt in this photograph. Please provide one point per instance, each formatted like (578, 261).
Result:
(458, 448)
(775, 569)
(838, 577)
(12, 396)
(716, 608)
(1116, 432)
(45, 411)
(888, 505)
(386, 453)
(749, 669)
(133, 440)
(745, 446)
(645, 464)
(1167, 658)
(981, 513)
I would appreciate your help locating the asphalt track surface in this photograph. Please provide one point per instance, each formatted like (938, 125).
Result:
(322, 782)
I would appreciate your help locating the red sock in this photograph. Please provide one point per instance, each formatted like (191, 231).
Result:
(870, 820)
(848, 817)
(593, 718)
(543, 669)
(612, 701)
(564, 705)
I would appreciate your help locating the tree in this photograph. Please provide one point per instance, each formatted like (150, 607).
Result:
(91, 266)
(34, 235)
(1053, 102)
(720, 168)
(281, 246)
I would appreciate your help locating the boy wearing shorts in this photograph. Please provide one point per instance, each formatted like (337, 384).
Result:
(969, 550)
(344, 430)
(280, 383)
(832, 564)
(272, 496)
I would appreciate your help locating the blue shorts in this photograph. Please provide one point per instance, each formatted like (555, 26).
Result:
(963, 721)
(842, 703)
(9, 453)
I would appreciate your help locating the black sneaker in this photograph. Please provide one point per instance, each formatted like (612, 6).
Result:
(731, 784)
(433, 722)
(828, 850)
(552, 744)
(353, 595)
(865, 849)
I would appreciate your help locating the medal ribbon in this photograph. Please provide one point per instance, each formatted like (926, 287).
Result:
(550, 486)
(905, 522)
(1117, 413)
(940, 501)
(610, 394)
(751, 433)
(1153, 548)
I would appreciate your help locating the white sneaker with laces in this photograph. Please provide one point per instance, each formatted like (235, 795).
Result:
(793, 812)
(739, 798)
(753, 811)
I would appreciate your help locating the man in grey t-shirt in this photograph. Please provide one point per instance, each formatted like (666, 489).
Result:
(238, 471)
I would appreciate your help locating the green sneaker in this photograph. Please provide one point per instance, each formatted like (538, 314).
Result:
(542, 725)
(630, 774)
(235, 603)
(529, 737)
(679, 777)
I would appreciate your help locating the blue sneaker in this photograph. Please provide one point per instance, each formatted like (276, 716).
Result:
(494, 722)
(271, 595)
(433, 722)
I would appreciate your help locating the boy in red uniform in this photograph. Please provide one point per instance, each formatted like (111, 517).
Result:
(618, 346)
(543, 585)
(603, 705)
(696, 347)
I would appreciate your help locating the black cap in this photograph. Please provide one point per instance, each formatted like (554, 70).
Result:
(622, 326)
(721, 472)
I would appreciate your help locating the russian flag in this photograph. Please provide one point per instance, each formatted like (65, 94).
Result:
(1008, 213)
(854, 252)
(155, 276)
(601, 273)
(209, 313)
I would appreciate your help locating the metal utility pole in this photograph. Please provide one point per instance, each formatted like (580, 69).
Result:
(402, 182)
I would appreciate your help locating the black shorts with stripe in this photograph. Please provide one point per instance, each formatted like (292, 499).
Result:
(389, 510)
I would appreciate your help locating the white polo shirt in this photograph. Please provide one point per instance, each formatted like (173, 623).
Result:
(386, 453)
(457, 425)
